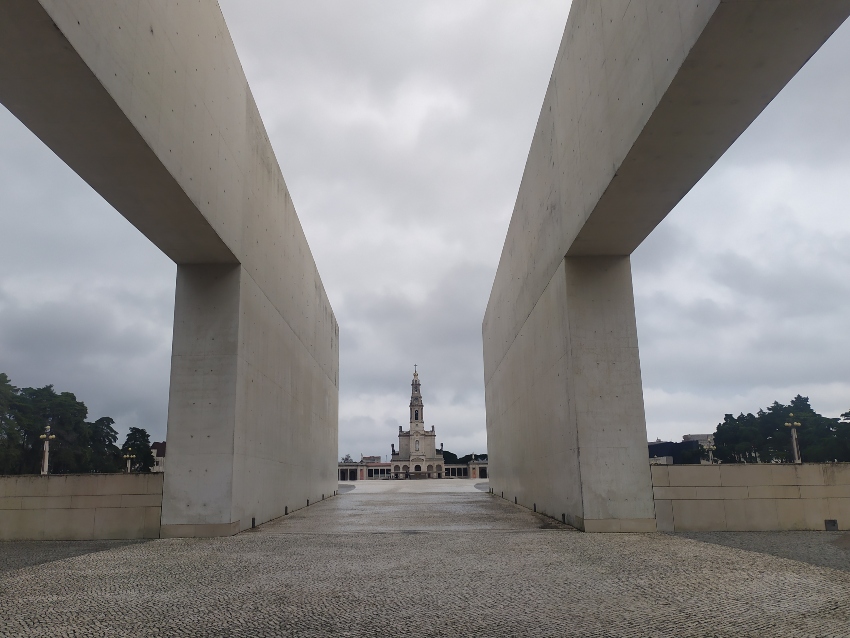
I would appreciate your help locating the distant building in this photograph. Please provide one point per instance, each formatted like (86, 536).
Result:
(684, 453)
(661, 460)
(688, 452)
(705, 440)
(158, 451)
(364, 470)
(417, 455)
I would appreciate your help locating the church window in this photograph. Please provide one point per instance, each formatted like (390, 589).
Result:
(417, 446)
(416, 415)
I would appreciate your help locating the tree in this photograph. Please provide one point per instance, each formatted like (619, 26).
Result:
(105, 455)
(11, 441)
(347, 459)
(79, 446)
(35, 409)
(70, 452)
(763, 437)
(138, 442)
(845, 418)
(463, 460)
(449, 457)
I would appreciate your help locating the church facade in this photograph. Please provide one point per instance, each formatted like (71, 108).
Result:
(417, 455)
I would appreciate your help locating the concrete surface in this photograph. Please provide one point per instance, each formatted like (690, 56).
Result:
(428, 558)
(644, 98)
(80, 506)
(752, 497)
(148, 103)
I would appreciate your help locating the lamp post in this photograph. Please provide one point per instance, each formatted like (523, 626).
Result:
(47, 437)
(129, 456)
(794, 444)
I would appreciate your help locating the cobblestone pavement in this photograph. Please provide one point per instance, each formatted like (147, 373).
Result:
(426, 558)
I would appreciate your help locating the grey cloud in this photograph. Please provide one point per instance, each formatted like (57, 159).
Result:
(86, 302)
(793, 125)
(80, 346)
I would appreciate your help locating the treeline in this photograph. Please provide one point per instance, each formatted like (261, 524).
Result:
(80, 446)
(764, 438)
(452, 459)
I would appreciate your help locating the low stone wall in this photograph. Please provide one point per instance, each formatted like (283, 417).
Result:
(752, 497)
(80, 506)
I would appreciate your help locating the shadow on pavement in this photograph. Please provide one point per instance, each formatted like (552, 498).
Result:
(822, 549)
(18, 554)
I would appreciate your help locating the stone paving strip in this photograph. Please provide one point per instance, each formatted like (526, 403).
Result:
(427, 558)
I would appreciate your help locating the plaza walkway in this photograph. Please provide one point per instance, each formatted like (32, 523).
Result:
(429, 558)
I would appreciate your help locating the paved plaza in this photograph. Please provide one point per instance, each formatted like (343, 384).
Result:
(429, 558)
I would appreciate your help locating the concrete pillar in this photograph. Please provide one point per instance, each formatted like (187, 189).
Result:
(565, 415)
(198, 495)
(605, 397)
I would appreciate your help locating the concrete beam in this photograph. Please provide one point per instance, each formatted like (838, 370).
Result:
(644, 97)
(147, 101)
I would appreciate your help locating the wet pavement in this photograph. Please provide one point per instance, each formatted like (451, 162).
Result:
(450, 505)
(429, 558)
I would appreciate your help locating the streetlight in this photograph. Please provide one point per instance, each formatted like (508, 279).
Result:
(794, 444)
(47, 437)
(129, 456)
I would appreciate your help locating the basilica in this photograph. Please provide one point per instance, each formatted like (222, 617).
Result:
(417, 455)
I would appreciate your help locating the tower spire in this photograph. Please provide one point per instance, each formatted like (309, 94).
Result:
(417, 407)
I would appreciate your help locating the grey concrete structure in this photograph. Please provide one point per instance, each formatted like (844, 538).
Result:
(752, 497)
(147, 102)
(80, 506)
(644, 98)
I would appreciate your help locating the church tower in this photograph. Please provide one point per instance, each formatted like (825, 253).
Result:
(417, 455)
(417, 409)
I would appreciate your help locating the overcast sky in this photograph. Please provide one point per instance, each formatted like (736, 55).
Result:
(402, 129)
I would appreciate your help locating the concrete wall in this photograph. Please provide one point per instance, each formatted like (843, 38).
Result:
(644, 97)
(80, 506)
(147, 101)
(754, 497)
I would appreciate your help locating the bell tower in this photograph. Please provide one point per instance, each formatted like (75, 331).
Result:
(417, 409)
